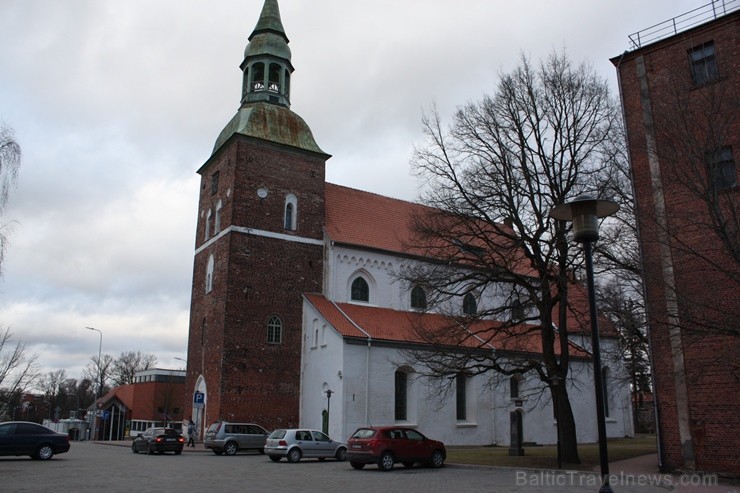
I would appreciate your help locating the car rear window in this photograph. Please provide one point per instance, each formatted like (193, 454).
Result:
(214, 428)
(364, 433)
(278, 434)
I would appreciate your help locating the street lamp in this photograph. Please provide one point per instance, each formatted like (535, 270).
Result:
(99, 382)
(585, 211)
(328, 393)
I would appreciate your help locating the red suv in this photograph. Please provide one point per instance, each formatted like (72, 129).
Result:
(386, 445)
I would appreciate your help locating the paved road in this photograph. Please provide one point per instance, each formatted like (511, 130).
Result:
(94, 467)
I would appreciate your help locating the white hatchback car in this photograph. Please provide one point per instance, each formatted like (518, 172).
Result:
(296, 444)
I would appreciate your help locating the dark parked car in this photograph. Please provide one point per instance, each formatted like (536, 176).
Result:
(158, 440)
(23, 438)
(387, 445)
(297, 444)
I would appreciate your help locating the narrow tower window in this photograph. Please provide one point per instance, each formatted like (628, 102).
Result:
(291, 212)
(209, 274)
(217, 220)
(258, 77)
(401, 395)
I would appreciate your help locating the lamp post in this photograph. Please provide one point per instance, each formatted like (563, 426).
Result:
(328, 393)
(99, 382)
(584, 211)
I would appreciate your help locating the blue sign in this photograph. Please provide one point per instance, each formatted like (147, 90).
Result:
(199, 398)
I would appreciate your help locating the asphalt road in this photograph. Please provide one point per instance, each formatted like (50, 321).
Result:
(102, 468)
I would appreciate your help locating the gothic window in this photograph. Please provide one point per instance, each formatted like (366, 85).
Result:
(461, 382)
(217, 219)
(209, 274)
(401, 395)
(722, 174)
(274, 330)
(418, 298)
(360, 290)
(470, 306)
(703, 64)
(291, 212)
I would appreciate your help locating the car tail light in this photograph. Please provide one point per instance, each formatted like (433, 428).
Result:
(373, 444)
(158, 439)
(181, 439)
(282, 443)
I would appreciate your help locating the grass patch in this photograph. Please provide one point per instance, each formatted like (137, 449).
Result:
(546, 457)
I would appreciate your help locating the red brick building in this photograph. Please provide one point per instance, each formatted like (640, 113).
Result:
(680, 86)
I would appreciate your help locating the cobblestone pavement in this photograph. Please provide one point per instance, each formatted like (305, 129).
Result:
(100, 467)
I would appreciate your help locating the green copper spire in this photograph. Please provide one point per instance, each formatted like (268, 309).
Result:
(265, 104)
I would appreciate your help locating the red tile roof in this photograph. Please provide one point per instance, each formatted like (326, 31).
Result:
(384, 324)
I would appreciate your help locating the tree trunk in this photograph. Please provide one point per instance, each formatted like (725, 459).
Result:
(566, 424)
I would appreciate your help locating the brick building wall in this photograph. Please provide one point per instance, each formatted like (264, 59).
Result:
(691, 279)
(261, 270)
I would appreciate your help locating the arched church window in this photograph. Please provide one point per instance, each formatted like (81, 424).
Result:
(209, 274)
(401, 395)
(418, 298)
(291, 212)
(360, 290)
(470, 306)
(258, 77)
(515, 383)
(208, 225)
(274, 330)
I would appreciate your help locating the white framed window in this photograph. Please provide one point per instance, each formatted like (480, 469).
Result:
(291, 212)
(274, 330)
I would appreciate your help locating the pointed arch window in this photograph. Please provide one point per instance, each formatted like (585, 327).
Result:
(418, 298)
(209, 273)
(515, 384)
(470, 306)
(274, 330)
(291, 212)
(360, 290)
(461, 382)
(208, 225)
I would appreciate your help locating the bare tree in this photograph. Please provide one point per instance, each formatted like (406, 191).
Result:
(126, 366)
(17, 370)
(99, 371)
(10, 162)
(493, 177)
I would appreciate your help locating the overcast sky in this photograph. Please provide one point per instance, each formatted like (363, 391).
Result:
(117, 103)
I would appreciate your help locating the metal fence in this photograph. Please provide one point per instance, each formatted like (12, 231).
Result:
(683, 22)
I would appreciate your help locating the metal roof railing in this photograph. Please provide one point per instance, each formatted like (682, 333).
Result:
(683, 22)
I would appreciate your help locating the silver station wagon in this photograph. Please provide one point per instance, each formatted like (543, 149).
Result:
(295, 444)
(229, 438)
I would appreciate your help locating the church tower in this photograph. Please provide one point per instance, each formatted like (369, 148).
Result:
(258, 247)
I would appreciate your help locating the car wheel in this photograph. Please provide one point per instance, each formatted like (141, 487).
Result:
(341, 454)
(408, 464)
(230, 448)
(218, 452)
(386, 461)
(44, 452)
(357, 465)
(275, 458)
(294, 455)
(262, 451)
(133, 448)
(438, 459)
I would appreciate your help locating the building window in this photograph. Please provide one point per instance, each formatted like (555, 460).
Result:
(461, 382)
(703, 64)
(515, 386)
(722, 173)
(274, 330)
(208, 225)
(214, 183)
(401, 395)
(217, 219)
(470, 306)
(360, 290)
(291, 212)
(605, 389)
(258, 77)
(209, 274)
(418, 298)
